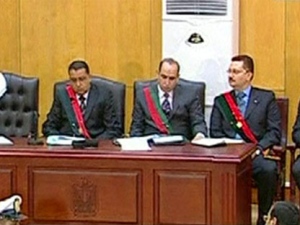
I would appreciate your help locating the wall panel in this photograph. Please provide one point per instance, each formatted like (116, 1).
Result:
(52, 34)
(262, 24)
(292, 68)
(119, 41)
(10, 35)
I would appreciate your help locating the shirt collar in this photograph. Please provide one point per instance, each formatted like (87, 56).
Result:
(161, 93)
(85, 95)
(246, 91)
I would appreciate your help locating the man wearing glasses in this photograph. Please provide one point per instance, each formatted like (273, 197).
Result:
(167, 107)
(251, 114)
(82, 108)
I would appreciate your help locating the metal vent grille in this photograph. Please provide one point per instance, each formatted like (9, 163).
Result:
(196, 7)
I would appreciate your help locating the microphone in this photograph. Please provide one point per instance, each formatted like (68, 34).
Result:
(32, 136)
(85, 143)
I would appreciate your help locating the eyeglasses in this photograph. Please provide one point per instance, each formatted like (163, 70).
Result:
(235, 71)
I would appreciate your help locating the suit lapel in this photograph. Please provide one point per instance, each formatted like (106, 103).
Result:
(252, 102)
(90, 102)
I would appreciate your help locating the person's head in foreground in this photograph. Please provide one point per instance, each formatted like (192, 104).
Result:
(283, 213)
(10, 210)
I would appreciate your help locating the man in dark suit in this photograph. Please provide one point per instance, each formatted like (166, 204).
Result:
(296, 139)
(283, 213)
(166, 107)
(81, 107)
(251, 114)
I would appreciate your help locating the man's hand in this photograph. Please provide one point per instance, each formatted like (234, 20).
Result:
(256, 153)
(198, 136)
(266, 154)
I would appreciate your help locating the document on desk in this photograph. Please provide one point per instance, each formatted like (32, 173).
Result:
(168, 140)
(62, 139)
(212, 142)
(5, 141)
(134, 143)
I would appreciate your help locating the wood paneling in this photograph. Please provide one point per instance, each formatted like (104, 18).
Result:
(262, 36)
(292, 63)
(120, 40)
(10, 35)
(174, 188)
(86, 195)
(104, 185)
(8, 181)
(52, 34)
(292, 69)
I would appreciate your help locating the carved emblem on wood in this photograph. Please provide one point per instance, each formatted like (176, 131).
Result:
(84, 198)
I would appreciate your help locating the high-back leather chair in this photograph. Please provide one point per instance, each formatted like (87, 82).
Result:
(280, 151)
(19, 106)
(118, 90)
(199, 86)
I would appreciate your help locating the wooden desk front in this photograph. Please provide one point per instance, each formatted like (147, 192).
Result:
(169, 185)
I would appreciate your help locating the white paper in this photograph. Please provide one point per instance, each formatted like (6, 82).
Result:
(62, 139)
(216, 141)
(5, 141)
(135, 143)
(3, 85)
(233, 141)
(168, 139)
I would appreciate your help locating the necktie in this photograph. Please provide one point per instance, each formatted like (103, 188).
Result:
(82, 103)
(241, 101)
(166, 107)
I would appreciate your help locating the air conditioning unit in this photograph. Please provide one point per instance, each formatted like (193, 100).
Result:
(202, 35)
(195, 9)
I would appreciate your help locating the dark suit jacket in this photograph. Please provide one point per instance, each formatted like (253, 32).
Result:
(262, 115)
(296, 128)
(99, 117)
(186, 117)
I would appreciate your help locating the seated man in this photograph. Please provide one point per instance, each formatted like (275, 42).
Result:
(283, 213)
(82, 108)
(251, 114)
(296, 139)
(166, 107)
(10, 211)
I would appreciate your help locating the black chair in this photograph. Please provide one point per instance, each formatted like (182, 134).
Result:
(119, 94)
(118, 90)
(280, 150)
(199, 86)
(293, 148)
(19, 106)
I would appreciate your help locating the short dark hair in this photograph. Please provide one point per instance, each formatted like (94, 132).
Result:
(170, 61)
(79, 64)
(247, 61)
(287, 213)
